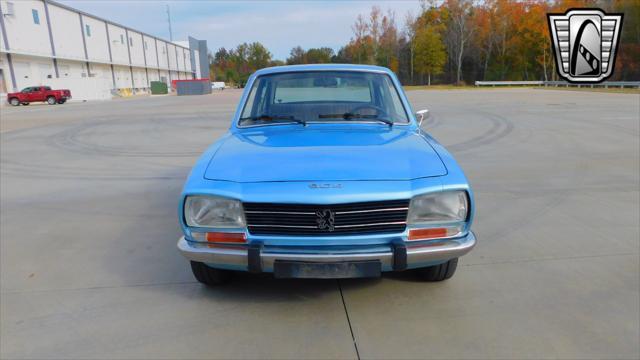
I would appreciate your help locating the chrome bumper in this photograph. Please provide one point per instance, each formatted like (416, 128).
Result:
(258, 258)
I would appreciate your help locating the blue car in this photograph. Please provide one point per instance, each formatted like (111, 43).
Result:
(325, 173)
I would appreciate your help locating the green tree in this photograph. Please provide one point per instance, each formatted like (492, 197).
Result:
(430, 54)
(321, 55)
(258, 56)
(296, 56)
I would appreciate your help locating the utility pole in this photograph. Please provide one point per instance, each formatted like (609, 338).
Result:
(169, 20)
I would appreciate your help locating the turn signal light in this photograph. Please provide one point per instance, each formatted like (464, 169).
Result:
(432, 233)
(224, 237)
(220, 237)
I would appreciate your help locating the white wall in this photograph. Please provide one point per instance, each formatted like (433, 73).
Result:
(2, 45)
(23, 34)
(153, 75)
(180, 56)
(123, 77)
(118, 44)
(5, 80)
(162, 53)
(97, 44)
(67, 34)
(84, 88)
(171, 49)
(30, 71)
(139, 78)
(32, 53)
(187, 56)
(164, 75)
(137, 48)
(72, 69)
(150, 51)
(101, 71)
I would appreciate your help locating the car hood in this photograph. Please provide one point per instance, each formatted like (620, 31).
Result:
(324, 153)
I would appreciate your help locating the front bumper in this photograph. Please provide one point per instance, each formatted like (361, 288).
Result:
(393, 257)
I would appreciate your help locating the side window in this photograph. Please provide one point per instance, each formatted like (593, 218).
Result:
(253, 101)
(87, 30)
(121, 39)
(47, 88)
(130, 41)
(36, 16)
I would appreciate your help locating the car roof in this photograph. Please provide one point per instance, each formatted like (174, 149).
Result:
(323, 67)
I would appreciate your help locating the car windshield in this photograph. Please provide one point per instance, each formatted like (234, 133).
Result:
(322, 96)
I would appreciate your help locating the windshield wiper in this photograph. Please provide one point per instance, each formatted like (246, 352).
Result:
(266, 117)
(352, 116)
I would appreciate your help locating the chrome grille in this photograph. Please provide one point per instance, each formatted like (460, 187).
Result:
(377, 217)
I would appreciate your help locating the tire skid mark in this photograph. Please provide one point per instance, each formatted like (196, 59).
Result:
(500, 128)
(70, 140)
(432, 122)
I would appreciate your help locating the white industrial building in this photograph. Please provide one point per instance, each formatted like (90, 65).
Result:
(43, 42)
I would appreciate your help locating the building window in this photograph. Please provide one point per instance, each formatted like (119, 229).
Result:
(36, 16)
(88, 29)
(145, 45)
(130, 41)
(121, 39)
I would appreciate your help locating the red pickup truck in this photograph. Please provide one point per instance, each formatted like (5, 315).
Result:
(38, 93)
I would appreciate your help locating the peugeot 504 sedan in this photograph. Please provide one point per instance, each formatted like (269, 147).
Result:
(325, 172)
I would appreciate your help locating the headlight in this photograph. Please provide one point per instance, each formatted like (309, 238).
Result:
(442, 207)
(213, 212)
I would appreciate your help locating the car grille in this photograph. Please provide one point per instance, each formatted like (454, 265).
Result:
(377, 217)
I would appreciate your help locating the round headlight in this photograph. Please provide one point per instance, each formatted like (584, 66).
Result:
(442, 207)
(213, 212)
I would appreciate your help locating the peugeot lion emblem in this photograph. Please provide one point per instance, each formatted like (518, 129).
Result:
(325, 219)
(585, 43)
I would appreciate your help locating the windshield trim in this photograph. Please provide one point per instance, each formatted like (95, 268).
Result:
(245, 101)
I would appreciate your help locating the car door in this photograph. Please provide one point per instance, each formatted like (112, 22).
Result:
(25, 94)
(37, 94)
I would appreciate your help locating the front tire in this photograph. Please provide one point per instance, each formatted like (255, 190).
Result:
(14, 102)
(439, 272)
(51, 100)
(208, 275)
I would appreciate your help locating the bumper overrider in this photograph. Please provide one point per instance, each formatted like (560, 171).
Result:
(256, 257)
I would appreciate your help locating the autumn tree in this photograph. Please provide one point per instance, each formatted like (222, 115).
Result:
(429, 52)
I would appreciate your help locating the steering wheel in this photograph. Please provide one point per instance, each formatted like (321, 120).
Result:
(380, 112)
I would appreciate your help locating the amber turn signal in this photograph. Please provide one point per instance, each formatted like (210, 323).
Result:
(432, 233)
(225, 237)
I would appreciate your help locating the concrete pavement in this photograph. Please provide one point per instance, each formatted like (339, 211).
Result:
(89, 268)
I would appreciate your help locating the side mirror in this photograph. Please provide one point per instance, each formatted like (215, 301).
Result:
(422, 115)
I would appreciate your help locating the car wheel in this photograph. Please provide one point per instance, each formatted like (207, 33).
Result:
(208, 275)
(439, 272)
(51, 100)
(25, 103)
(14, 102)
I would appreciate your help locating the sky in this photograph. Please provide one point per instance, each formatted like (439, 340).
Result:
(279, 25)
